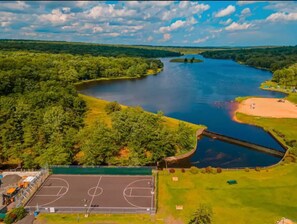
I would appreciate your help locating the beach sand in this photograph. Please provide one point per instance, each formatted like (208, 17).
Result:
(267, 107)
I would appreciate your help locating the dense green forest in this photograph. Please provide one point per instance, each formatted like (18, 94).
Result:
(286, 76)
(41, 114)
(268, 58)
(135, 138)
(277, 59)
(84, 48)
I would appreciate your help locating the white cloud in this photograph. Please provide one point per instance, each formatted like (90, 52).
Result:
(66, 9)
(285, 6)
(201, 40)
(108, 11)
(56, 17)
(246, 11)
(227, 22)
(5, 24)
(149, 39)
(236, 26)
(166, 36)
(225, 12)
(177, 24)
(246, 2)
(198, 8)
(19, 5)
(282, 16)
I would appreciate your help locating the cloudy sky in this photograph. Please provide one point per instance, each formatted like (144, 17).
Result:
(186, 23)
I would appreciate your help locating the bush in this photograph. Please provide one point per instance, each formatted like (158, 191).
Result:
(194, 170)
(219, 170)
(171, 170)
(203, 215)
(247, 169)
(209, 169)
(289, 159)
(257, 169)
(112, 107)
(183, 170)
(15, 214)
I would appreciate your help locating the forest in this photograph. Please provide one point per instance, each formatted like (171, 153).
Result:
(278, 60)
(42, 116)
(84, 49)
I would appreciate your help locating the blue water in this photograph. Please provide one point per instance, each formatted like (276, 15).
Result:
(200, 93)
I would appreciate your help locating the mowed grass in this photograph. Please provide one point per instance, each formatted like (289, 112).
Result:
(258, 198)
(287, 126)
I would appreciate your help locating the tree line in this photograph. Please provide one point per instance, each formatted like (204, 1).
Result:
(268, 58)
(42, 116)
(278, 60)
(286, 76)
(84, 48)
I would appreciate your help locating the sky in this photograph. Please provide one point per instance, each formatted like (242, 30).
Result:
(169, 23)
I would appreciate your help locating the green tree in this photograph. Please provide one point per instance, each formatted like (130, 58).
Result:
(112, 107)
(203, 215)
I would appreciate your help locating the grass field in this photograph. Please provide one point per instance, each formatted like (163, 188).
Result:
(285, 126)
(259, 197)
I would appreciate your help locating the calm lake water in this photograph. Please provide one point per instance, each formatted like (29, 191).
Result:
(200, 93)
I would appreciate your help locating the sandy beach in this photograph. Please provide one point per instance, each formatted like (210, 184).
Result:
(267, 107)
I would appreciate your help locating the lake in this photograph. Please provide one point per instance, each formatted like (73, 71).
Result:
(200, 93)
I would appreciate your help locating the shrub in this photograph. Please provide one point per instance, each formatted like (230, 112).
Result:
(171, 170)
(219, 170)
(289, 159)
(14, 215)
(194, 170)
(208, 169)
(247, 169)
(203, 215)
(112, 107)
(183, 170)
(257, 169)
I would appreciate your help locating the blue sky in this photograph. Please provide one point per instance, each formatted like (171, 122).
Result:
(185, 23)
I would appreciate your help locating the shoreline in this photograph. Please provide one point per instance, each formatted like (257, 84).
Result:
(81, 83)
(266, 108)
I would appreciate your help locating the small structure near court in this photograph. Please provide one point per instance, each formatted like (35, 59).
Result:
(232, 182)
(179, 207)
(174, 179)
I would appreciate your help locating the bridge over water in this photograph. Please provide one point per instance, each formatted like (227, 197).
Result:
(243, 143)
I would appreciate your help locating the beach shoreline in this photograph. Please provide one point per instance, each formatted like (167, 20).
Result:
(266, 107)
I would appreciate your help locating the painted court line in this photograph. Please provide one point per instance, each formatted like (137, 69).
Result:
(59, 191)
(94, 193)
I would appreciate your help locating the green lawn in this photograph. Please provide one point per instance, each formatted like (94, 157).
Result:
(259, 197)
(286, 126)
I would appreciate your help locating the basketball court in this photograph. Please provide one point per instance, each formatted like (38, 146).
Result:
(95, 194)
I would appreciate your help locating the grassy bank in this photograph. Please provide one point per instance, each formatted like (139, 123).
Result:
(96, 110)
(85, 82)
(259, 198)
(273, 86)
(284, 129)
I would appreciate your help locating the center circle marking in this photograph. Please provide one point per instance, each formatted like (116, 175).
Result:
(95, 191)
